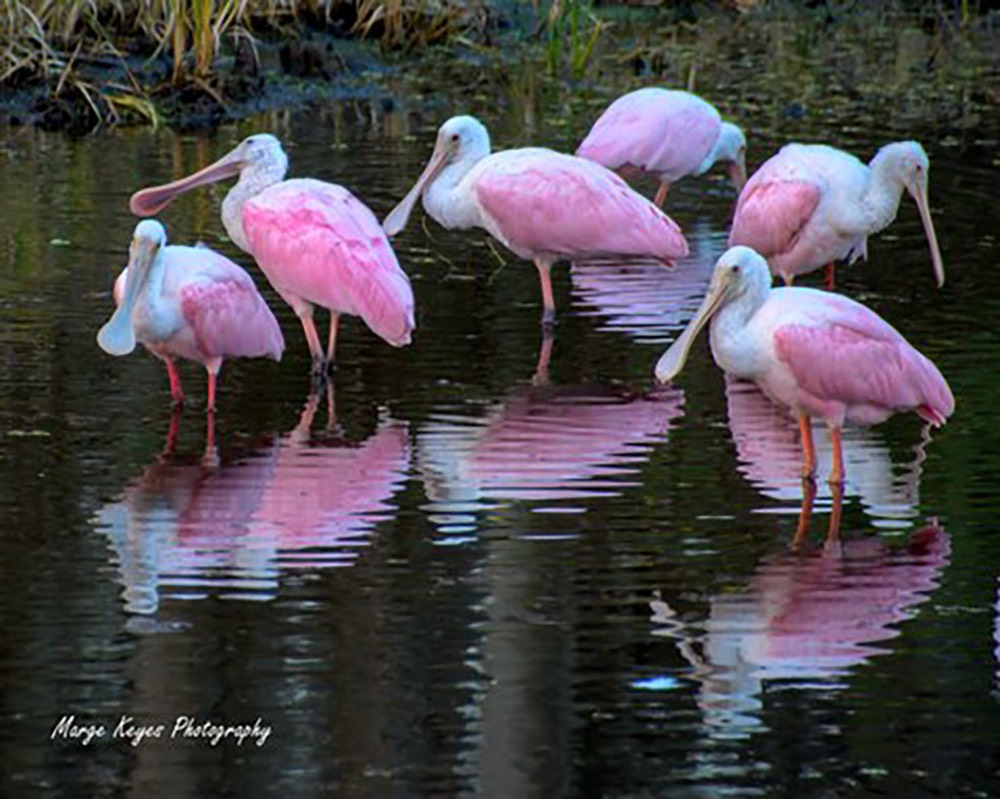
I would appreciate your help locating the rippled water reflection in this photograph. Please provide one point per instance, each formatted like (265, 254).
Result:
(503, 508)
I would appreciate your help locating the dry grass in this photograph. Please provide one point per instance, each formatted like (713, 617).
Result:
(61, 42)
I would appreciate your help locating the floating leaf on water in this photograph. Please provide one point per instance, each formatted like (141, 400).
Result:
(36, 433)
(60, 242)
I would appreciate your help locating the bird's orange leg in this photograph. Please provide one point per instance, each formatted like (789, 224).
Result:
(805, 514)
(837, 472)
(175, 424)
(828, 279)
(312, 339)
(176, 392)
(788, 278)
(210, 433)
(661, 194)
(808, 449)
(211, 391)
(549, 305)
(331, 346)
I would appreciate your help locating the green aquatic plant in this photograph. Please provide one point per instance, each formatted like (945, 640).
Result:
(572, 27)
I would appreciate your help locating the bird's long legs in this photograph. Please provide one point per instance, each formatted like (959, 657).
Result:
(832, 542)
(176, 391)
(332, 345)
(808, 449)
(312, 338)
(549, 305)
(661, 194)
(837, 472)
(541, 377)
(805, 513)
(211, 391)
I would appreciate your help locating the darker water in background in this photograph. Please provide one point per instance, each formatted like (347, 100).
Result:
(473, 575)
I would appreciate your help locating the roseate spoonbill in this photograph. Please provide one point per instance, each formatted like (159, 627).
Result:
(542, 205)
(810, 205)
(316, 243)
(188, 302)
(667, 133)
(817, 353)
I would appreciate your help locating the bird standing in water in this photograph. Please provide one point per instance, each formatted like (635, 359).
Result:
(817, 353)
(542, 205)
(188, 302)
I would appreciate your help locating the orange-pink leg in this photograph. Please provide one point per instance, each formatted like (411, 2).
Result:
(808, 449)
(312, 339)
(828, 280)
(211, 391)
(837, 472)
(548, 304)
(176, 392)
(332, 345)
(175, 424)
(661, 194)
(210, 432)
(789, 278)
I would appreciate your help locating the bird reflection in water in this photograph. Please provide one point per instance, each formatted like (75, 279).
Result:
(231, 528)
(807, 617)
(543, 444)
(768, 455)
(645, 301)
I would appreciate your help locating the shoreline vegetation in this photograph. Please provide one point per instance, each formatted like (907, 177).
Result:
(81, 64)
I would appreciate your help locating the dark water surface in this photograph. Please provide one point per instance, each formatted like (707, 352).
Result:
(475, 574)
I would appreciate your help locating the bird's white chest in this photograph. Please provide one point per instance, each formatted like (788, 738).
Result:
(156, 318)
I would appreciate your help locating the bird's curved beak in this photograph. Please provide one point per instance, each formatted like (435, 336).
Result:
(673, 360)
(148, 202)
(738, 172)
(400, 215)
(919, 192)
(117, 336)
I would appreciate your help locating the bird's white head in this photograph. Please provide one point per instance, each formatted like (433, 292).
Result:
(260, 157)
(117, 337)
(461, 140)
(740, 272)
(731, 147)
(906, 164)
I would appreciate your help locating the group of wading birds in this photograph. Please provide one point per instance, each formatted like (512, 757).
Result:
(817, 353)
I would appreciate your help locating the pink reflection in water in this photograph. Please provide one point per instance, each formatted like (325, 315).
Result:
(541, 444)
(807, 617)
(769, 456)
(294, 505)
(648, 302)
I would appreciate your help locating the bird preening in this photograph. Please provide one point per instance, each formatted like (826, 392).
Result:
(818, 354)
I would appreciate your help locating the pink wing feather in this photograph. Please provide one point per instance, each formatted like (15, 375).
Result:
(543, 202)
(864, 361)
(669, 133)
(315, 241)
(770, 214)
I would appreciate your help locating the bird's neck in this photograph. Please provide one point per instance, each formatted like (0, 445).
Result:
(733, 350)
(881, 200)
(447, 202)
(253, 180)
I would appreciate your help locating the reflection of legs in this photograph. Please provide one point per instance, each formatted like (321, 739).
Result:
(808, 450)
(332, 346)
(661, 194)
(176, 392)
(548, 304)
(833, 532)
(541, 377)
(331, 408)
(837, 472)
(805, 514)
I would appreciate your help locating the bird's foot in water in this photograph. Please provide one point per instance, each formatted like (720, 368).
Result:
(548, 320)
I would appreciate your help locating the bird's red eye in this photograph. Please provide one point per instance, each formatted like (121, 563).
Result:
(454, 137)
